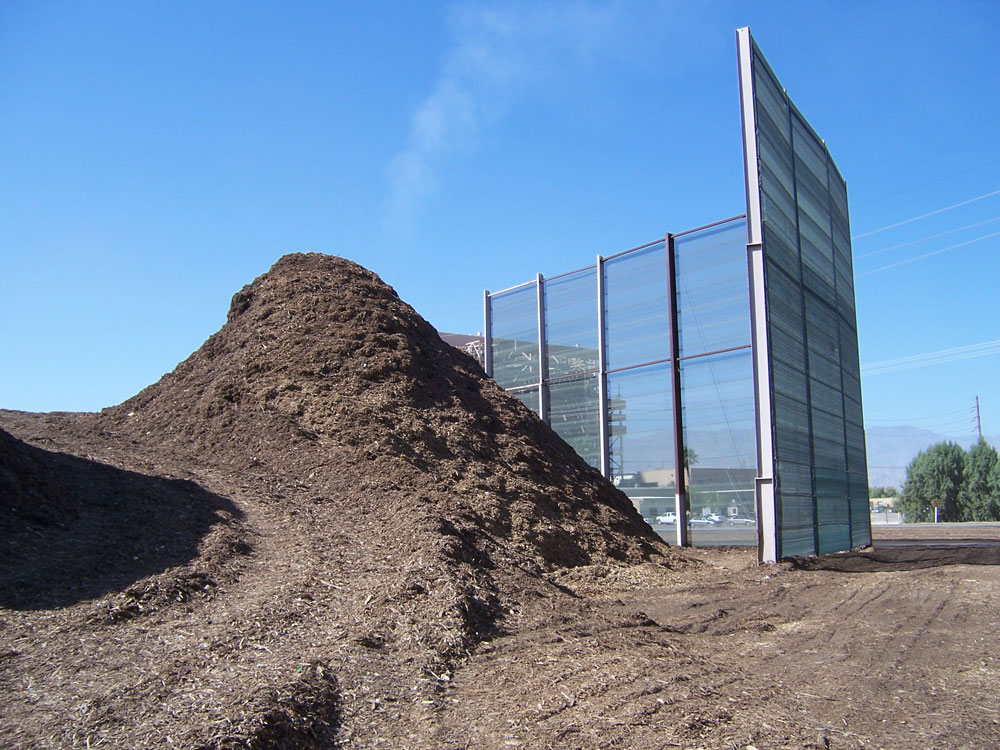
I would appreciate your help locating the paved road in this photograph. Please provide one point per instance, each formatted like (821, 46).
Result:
(707, 536)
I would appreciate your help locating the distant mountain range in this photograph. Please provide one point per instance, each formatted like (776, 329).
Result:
(890, 450)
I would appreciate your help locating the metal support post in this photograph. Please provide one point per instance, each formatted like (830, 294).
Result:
(680, 464)
(543, 360)
(602, 376)
(766, 496)
(487, 333)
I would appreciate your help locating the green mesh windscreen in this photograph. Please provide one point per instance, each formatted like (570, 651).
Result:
(821, 483)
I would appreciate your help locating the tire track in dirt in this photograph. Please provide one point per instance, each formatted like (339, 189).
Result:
(836, 620)
(848, 658)
(871, 647)
(675, 690)
(936, 601)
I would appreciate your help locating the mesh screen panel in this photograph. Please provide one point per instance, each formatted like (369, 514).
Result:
(637, 316)
(640, 422)
(796, 478)
(571, 323)
(784, 305)
(797, 524)
(720, 433)
(514, 330)
(816, 398)
(574, 413)
(529, 397)
(861, 533)
(713, 298)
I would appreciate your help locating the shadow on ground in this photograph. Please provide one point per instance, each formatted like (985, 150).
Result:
(73, 529)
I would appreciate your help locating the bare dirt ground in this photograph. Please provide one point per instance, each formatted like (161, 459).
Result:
(893, 647)
(325, 529)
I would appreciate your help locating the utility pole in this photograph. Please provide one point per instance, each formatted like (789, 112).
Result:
(979, 424)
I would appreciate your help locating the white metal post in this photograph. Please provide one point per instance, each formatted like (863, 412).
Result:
(602, 377)
(766, 495)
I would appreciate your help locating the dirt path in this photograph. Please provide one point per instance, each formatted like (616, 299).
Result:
(900, 653)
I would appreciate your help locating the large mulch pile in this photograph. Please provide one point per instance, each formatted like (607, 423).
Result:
(291, 540)
(327, 529)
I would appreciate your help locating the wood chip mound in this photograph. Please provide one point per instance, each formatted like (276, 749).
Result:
(291, 540)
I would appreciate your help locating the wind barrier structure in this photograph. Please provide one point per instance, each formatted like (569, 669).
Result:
(713, 374)
(813, 483)
(642, 363)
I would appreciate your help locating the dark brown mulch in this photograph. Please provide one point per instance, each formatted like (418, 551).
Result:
(326, 529)
(324, 482)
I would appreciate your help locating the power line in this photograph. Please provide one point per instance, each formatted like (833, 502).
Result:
(928, 237)
(927, 255)
(932, 358)
(929, 182)
(951, 414)
(946, 424)
(924, 216)
(951, 432)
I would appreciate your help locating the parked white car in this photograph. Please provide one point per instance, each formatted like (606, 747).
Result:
(669, 517)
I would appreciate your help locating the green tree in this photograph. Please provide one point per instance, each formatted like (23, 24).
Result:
(937, 472)
(979, 499)
(994, 484)
(874, 492)
(690, 457)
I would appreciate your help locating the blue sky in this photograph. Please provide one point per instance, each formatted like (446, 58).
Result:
(158, 156)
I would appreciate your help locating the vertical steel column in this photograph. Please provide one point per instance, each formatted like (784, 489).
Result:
(602, 376)
(680, 480)
(767, 502)
(487, 333)
(543, 360)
